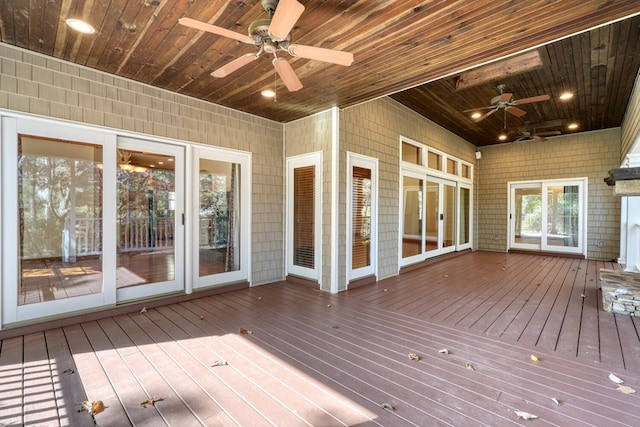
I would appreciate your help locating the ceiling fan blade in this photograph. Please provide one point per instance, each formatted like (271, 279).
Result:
(285, 17)
(321, 54)
(549, 133)
(479, 108)
(506, 97)
(539, 138)
(286, 73)
(515, 111)
(232, 66)
(530, 100)
(485, 115)
(203, 26)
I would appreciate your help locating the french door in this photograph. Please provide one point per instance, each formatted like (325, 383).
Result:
(548, 215)
(362, 216)
(431, 214)
(440, 216)
(304, 225)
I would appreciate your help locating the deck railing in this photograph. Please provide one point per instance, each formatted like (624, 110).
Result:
(136, 234)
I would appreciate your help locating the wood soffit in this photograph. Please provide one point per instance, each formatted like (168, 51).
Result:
(421, 53)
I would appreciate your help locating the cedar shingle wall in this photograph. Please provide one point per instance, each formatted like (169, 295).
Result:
(36, 84)
(588, 155)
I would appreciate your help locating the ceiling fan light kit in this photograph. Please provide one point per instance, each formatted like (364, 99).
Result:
(271, 35)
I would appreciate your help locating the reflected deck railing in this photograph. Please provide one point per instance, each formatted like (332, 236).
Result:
(136, 234)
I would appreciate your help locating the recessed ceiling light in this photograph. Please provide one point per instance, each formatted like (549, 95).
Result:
(502, 137)
(572, 126)
(268, 93)
(566, 96)
(81, 26)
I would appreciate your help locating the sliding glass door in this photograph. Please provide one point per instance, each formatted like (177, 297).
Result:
(150, 205)
(548, 215)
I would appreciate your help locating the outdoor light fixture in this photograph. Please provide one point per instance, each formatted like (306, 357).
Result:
(566, 96)
(268, 93)
(80, 26)
(572, 126)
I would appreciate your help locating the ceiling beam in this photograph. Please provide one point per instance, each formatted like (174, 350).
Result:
(497, 70)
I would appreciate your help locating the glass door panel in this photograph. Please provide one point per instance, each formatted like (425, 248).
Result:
(464, 217)
(149, 219)
(563, 217)
(448, 217)
(412, 227)
(361, 218)
(432, 216)
(218, 223)
(526, 218)
(60, 219)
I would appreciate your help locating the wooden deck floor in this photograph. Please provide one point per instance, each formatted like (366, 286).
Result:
(308, 358)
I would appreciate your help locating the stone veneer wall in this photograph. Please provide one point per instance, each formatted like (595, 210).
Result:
(589, 155)
(48, 87)
(374, 129)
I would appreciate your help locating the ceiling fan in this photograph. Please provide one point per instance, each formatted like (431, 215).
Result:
(271, 35)
(530, 131)
(506, 102)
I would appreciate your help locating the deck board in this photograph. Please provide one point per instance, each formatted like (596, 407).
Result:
(332, 360)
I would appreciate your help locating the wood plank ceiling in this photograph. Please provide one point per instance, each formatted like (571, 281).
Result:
(399, 47)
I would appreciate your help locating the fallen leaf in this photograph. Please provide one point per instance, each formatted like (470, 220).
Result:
(336, 327)
(150, 402)
(69, 371)
(220, 363)
(626, 389)
(144, 310)
(534, 358)
(445, 276)
(469, 366)
(385, 289)
(413, 356)
(583, 295)
(242, 331)
(556, 401)
(525, 415)
(94, 407)
(259, 298)
(201, 317)
(444, 351)
(387, 406)
(328, 305)
(615, 379)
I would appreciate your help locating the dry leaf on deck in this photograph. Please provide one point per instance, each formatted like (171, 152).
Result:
(469, 366)
(94, 407)
(534, 358)
(615, 379)
(144, 310)
(243, 331)
(626, 389)
(583, 295)
(525, 415)
(220, 363)
(444, 351)
(413, 356)
(151, 401)
(385, 290)
(556, 401)
(387, 406)
(69, 371)
(201, 317)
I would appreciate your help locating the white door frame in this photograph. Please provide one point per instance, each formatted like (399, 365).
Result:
(177, 284)
(310, 159)
(370, 163)
(11, 128)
